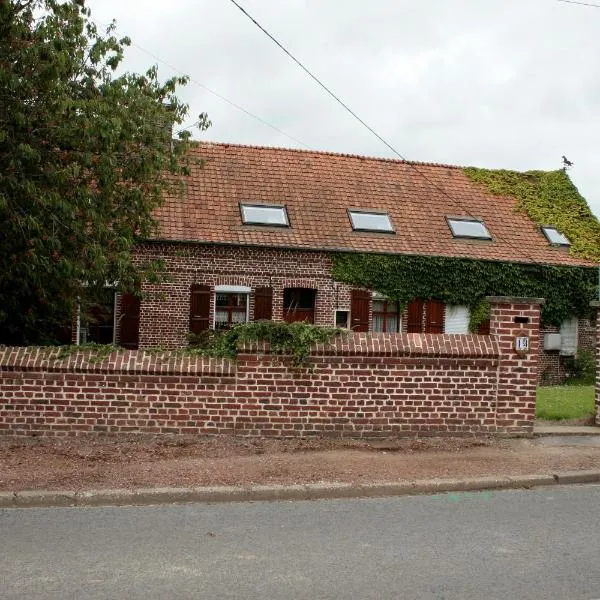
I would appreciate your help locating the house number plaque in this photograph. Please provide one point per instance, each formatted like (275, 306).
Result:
(522, 345)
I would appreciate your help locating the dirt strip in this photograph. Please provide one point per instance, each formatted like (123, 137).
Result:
(131, 462)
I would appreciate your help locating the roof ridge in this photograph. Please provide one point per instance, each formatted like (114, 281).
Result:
(198, 143)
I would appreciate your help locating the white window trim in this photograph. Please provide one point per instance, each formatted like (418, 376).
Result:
(568, 351)
(230, 289)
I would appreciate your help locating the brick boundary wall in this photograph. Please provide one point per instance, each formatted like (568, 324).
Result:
(364, 385)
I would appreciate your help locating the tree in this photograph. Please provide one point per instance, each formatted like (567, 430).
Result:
(85, 157)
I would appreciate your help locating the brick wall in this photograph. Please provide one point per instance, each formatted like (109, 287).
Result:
(596, 305)
(364, 385)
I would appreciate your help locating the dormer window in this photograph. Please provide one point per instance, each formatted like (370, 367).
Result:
(468, 228)
(555, 237)
(264, 214)
(370, 221)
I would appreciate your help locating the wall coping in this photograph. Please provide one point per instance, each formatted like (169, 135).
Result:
(595, 303)
(514, 300)
(39, 358)
(398, 345)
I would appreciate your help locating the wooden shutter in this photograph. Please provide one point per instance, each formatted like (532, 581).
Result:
(434, 317)
(263, 303)
(199, 308)
(415, 316)
(359, 310)
(484, 327)
(129, 322)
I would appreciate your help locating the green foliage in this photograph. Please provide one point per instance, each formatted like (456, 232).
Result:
(457, 281)
(283, 338)
(581, 369)
(85, 158)
(565, 402)
(480, 312)
(549, 198)
(95, 352)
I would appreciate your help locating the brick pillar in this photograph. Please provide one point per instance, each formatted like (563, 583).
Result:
(513, 318)
(596, 304)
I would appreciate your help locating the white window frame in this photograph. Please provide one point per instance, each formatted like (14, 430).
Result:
(230, 289)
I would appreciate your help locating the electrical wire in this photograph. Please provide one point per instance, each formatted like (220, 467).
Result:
(348, 109)
(580, 3)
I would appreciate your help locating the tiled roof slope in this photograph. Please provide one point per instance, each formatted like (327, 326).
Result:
(319, 187)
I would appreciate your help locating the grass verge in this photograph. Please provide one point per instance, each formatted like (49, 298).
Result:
(565, 402)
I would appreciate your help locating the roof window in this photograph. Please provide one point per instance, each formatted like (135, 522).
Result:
(468, 228)
(264, 214)
(370, 221)
(555, 237)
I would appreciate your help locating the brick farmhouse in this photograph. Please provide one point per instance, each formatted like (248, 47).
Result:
(251, 238)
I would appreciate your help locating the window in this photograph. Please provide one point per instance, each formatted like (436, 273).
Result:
(385, 316)
(370, 221)
(230, 309)
(97, 325)
(262, 214)
(568, 337)
(555, 237)
(456, 319)
(342, 319)
(299, 304)
(468, 228)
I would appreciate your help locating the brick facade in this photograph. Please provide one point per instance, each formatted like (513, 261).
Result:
(364, 385)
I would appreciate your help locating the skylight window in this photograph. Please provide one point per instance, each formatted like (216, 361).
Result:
(262, 214)
(370, 221)
(468, 228)
(555, 237)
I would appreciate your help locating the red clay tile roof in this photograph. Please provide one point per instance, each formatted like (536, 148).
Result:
(319, 187)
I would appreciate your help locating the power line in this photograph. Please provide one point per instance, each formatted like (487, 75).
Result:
(580, 3)
(379, 137)
(221, 97)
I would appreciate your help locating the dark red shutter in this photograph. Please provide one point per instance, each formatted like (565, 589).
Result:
(484, 327)
(129, 322)
(359, 310)
(415, 316)
(199, 308)
(263, 303)
(434, 317)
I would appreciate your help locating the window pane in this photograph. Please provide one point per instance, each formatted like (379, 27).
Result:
(238, 316)
(221, 319)
(370, 221)
(378, 323)
(469, 228)
(222, 300)
(264, 215)
(555, 237)
(392, 324)
(378, 305)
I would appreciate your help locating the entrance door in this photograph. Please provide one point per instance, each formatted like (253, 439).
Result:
(359, 310)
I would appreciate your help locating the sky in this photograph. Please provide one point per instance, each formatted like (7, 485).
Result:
(510, 84)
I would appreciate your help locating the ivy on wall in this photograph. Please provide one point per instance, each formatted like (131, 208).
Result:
(458, 281)
(548, 198)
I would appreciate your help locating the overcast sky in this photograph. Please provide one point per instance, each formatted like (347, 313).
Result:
(493, 83)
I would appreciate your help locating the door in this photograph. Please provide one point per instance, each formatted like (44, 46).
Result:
(359, 310)
(434, 317)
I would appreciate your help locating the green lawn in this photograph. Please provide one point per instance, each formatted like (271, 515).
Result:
(565, 402)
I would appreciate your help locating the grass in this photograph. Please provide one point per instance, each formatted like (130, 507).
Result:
(565, 402)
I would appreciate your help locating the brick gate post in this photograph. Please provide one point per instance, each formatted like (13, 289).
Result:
(596, 304)
(515, 323)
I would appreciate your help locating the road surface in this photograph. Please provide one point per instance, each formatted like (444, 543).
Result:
(541, 544)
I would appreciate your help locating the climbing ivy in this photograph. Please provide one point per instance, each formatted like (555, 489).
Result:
(458, 281)
(295, 339)
(548, 198)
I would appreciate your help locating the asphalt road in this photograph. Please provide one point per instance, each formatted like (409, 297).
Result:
(541, 544)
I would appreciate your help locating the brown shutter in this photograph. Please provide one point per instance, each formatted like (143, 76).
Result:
(129, 322)
(484, 327)
(359, 310)
(415, 316)
(263, 303)
(434, 317)
(199, 308)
